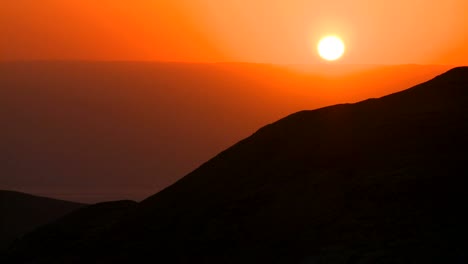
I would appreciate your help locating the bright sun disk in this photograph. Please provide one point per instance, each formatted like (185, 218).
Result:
(331, 48)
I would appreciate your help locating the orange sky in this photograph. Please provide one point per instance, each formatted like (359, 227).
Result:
(271, 31)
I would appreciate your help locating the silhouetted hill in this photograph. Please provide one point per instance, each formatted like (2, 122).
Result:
(124, 130)
(380, 181)
(76, 230)
(21, 213)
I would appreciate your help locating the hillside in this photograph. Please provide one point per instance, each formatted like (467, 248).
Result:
(118, 130)
(22, 213)
(380, 181)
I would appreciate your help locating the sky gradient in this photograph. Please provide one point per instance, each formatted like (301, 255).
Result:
(275, 31)
(88, 123)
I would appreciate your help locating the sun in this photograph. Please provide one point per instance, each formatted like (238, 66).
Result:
(331, 48)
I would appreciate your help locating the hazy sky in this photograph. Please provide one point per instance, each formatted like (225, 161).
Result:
(272, 31)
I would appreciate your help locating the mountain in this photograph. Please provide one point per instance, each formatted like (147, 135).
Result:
(21, 213)
(123, 130)
(379, 181)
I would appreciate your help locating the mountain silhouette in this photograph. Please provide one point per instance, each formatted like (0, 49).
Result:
(124, 130)
(379, 181)
(21, 213)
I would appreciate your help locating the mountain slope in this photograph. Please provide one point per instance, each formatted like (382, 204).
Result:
(21, 213)
(380, 181)
(118, 130)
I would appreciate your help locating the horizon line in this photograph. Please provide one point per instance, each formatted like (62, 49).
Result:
(220, 62)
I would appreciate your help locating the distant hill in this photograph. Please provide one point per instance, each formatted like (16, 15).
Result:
(380, 181)
(21, 213)
(123, 130)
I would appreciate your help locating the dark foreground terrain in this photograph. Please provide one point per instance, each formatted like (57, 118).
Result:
(380, 181)
(21, 213)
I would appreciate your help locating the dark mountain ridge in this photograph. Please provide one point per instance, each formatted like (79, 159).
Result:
(119, 130)
(21, 213)
(380, 181)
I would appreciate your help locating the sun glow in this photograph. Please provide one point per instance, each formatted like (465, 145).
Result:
(331, 48)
